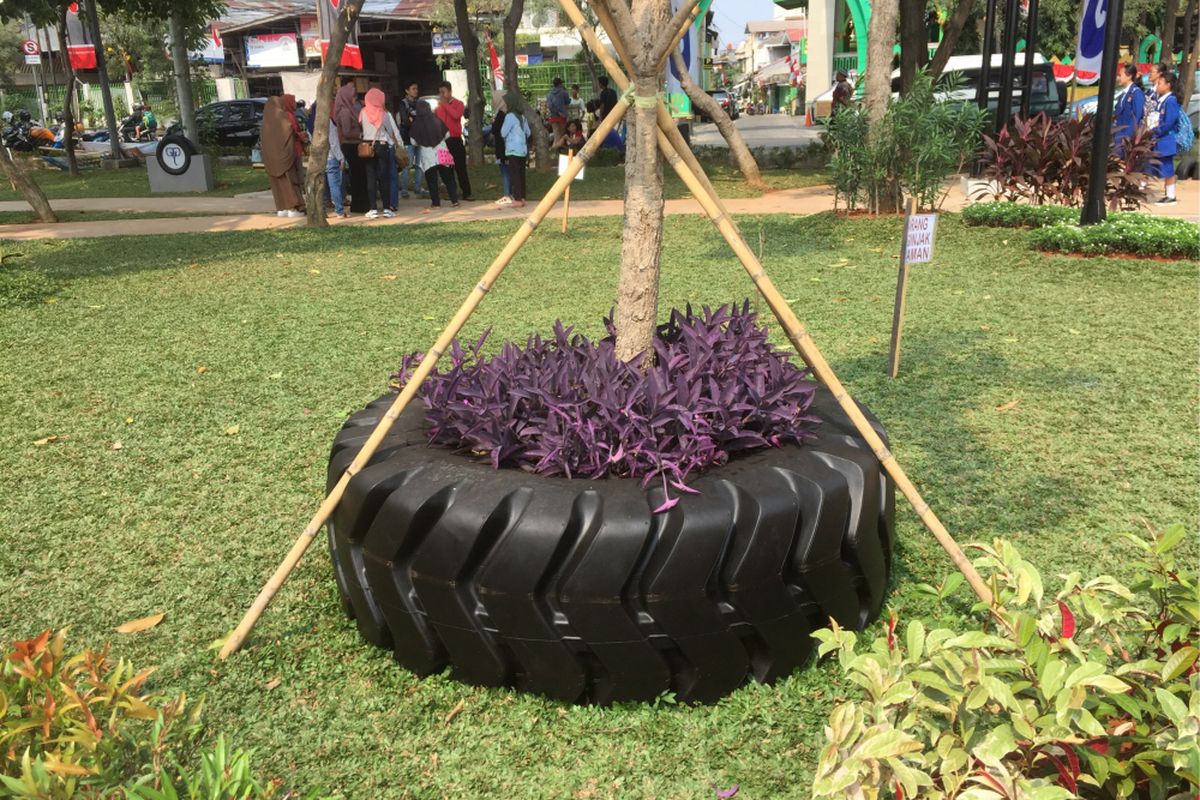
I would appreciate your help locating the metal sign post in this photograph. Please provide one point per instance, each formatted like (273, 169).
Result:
(917, 248)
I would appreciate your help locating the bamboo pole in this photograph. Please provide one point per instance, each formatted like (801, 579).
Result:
(794, 328)
(665, 121)
(567, 197)
(238, 636)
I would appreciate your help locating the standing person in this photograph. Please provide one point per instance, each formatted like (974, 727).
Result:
(404, 119)
(350, 134)
(577, 107)
(282, 145)
(380, 130)
(149, 122)
(1131, 106)
(516, 145)
(1162, 124)
(498, 138)
(607, 100)
(842, 92)
(451, 111)
(1151, 104)
(431, 136)
(557, 104)
(334, 164)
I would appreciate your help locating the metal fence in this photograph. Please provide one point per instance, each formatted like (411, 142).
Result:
(159, 94)
(535, 81)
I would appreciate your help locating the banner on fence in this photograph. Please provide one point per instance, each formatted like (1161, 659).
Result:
(327, 13)
(80, 50)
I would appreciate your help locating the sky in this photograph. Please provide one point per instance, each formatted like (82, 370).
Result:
(731, 16)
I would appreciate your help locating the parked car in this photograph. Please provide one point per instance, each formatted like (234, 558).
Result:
(726, 101)
(232, 123)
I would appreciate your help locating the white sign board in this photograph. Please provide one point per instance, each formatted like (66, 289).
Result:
(918, 238)
(33, 60)
(563, 163)
(272, 50)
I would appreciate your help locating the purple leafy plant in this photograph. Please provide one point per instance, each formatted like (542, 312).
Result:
(568, 406)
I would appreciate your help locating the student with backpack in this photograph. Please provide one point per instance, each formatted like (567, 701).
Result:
(1167, 125)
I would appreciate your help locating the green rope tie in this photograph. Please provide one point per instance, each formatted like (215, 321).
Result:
(631, 97)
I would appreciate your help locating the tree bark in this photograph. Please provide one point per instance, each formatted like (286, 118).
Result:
(69, 97)
(880, 41)
(1188, 78)
(914, 44)
(318, 150)
(475, 98)
(183, 78)
(110, 115)
(511, 21)
(1168, 38)
(951, 30)
(26, 185)
(641, 239)
(733, 137)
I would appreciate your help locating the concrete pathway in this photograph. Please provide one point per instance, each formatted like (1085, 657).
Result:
(254, 212)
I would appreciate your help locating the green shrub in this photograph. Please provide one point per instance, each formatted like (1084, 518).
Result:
(1128, 233)
(1092, 692)
(922, 141)
(84, 726)
(22, 287)
(1000, 214)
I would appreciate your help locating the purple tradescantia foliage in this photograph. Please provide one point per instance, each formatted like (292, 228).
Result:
(568, 406)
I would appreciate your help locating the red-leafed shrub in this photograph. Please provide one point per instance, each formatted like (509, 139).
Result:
(1042, 160)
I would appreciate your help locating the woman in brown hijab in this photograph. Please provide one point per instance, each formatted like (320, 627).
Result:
(282, 146)
(345, 116)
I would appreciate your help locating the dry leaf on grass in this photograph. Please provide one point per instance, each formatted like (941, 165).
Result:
(1009, 406)
(454, 712)
(201, 370)
(136, 625)
(46, 441)
(273, 683)
(115, 446)
(232, 430)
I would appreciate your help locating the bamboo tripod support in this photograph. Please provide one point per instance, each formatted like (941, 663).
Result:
(797, 333)
(235, 639)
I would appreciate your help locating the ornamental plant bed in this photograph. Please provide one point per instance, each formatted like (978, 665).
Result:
(557, 520)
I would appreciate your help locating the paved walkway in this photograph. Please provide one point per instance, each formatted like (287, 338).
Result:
(249, 212)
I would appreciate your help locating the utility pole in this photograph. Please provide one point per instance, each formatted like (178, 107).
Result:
(1093, 206)
(1031, 34)
(110, 115)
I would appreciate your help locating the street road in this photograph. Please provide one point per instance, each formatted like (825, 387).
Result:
(766, 130)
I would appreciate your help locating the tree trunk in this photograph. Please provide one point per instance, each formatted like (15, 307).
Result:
(881, 39)
(318, 151)
(1188, 78)
(712, 109)
(951, 30)
(511, 21)
(641, 240)
(27, 187)
(475, 98)
(69, 97)
(183, 78)
(1168, 37)
(110, 115)
(914, 41)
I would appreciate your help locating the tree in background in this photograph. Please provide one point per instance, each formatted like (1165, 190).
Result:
(318, 151)
(881, 39)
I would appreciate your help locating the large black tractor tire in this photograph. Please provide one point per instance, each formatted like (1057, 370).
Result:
(574, 589)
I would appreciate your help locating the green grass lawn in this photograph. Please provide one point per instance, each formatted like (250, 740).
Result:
(164, 345)
(133, 182)
(600, 183)
(29, 218)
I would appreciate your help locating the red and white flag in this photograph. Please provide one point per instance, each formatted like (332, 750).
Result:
(494, 63)
(327, 13)
(80, 50)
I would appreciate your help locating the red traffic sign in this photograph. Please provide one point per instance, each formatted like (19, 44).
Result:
(30, 48)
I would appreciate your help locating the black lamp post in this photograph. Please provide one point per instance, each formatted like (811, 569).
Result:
(985, 69)
(1031, 33)
(1093, 206)
(1008, 63)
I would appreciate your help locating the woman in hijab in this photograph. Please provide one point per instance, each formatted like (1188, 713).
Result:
(497, 124)
(429, 134)
(380, 129)
(516, 145)
(282, 145)
(350, 134)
